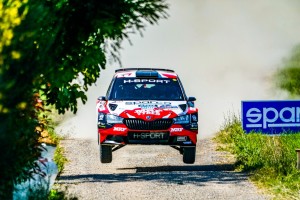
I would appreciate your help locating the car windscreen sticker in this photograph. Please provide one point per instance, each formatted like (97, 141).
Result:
(147, 81)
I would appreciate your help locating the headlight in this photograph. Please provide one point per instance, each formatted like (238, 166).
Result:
(184, 119)
(113, 119)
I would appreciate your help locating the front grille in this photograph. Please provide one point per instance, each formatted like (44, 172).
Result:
(139, 124)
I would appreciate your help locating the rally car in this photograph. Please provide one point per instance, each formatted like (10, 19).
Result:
(147, 106)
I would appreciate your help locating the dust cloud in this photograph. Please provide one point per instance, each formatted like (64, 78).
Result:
(224, 52)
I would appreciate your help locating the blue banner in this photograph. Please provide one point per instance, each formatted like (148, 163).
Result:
(271, 117)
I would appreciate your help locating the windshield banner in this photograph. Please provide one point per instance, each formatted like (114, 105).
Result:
(271, 117)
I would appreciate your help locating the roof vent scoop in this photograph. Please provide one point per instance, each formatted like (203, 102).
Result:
(146, 73)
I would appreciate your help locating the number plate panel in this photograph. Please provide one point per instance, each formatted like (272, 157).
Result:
(152, 136)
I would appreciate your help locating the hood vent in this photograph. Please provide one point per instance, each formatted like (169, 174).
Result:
(112, 106)
(183, 107)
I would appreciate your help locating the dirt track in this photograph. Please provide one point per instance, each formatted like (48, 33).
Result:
(152, 172)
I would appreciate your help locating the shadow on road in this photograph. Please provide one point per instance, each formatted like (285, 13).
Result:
(197, 175)
(221, 167)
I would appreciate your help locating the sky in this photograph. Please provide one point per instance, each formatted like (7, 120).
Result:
(223, 51)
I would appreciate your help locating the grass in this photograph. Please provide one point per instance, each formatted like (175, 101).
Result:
(59, 158)
(270, 159)
(60, 195)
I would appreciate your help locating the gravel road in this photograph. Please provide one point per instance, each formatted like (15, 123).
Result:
(152, 172)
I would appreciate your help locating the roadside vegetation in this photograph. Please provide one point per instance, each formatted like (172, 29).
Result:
(287, 78)
(270, 160)
(49, 136)
(39, 187)
(44, 47)
(49, 118)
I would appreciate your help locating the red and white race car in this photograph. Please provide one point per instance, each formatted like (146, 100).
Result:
(147, 106)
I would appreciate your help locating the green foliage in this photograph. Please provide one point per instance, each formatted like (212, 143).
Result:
(282, 187)
(288, 77)
(46, 46)
(75, 42)
(55, 139)
(56, 194)
(272, 159)
(59, 158)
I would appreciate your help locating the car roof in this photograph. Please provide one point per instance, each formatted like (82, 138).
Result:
(145, 73)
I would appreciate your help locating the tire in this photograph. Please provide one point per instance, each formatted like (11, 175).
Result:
(105, 153)
(189, 155)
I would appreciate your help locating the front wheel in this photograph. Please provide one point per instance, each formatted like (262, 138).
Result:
(189, 155)
(105, 153)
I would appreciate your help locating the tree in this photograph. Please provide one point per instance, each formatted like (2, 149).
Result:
(48, 45)
(288, 77)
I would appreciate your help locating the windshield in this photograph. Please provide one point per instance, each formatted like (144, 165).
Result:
(146, 89)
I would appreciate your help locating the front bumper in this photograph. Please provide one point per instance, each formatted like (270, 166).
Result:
(175, 135)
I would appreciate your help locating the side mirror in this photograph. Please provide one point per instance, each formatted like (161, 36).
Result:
(192, 99)
(191, 102)
(102, 98)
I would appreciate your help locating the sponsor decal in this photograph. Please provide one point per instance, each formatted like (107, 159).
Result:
(152, 105)
(152, 136)
(181, 138)
(101, 116)
(147, 81)
(168, 106)
(271, 116)
(147, 106)
(194, 126)
(176, 129)
(101, 125)
(140, 103)
(147, 112)
(119, 129)
(194, 118)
